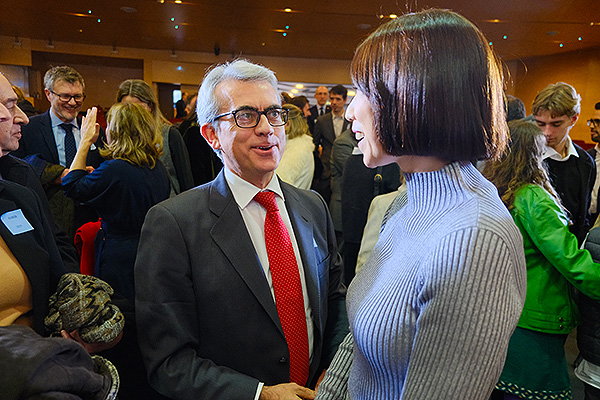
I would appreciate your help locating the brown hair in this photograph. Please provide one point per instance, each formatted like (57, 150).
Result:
(296, 125)
(133, 135)
(142, 91)
(559, 99)
(521, 164)
(435, 87)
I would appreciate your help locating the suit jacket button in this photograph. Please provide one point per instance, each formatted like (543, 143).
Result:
(283, 360)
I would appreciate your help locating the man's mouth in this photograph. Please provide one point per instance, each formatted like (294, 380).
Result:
(265, 148)
(359, 135)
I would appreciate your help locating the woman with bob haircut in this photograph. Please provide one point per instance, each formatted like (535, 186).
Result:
(433, 308)
(536, 367)
(175, 156)
(297, 164)
(122, 189)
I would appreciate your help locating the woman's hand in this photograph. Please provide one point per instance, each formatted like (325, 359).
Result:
(89, 134)
(90, 129)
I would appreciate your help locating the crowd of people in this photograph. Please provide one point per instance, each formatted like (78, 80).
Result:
(263, 248)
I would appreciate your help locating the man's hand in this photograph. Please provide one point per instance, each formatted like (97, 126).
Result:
(91, 348)
(286, 391)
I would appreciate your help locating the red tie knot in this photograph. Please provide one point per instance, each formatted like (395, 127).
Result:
(267, 200)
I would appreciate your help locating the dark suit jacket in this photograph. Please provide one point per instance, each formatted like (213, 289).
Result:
(593, 217)
(324, 135)
(18, 171)
(314, 114)
(35, 250)
(209, 325)
(38, 139)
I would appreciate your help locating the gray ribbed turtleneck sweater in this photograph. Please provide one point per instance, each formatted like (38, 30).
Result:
(434, 307)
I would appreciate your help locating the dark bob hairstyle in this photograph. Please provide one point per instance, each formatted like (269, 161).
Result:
(435, 87)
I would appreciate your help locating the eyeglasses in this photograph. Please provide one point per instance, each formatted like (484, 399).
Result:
(249, 117)
(65, 98)
(593, 122)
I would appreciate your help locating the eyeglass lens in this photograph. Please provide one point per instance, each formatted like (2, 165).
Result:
(595, 122)
(249, 118)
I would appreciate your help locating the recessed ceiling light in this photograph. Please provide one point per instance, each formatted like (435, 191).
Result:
(176, 26)
(579, 38)
(89, 11)
(99, 20)
(299, 86)
(294, 91)
(172, 18)
(287, 9)
(351, 93)
(561, 45)
(504, 37)
(393, 16)
(177, 1)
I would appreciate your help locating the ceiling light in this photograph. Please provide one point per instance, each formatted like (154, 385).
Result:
(351, 93)
(172, 18)
(177, 1)
(99, 20)
(294, 91)
(179, 68)
(287, 9)
(504, 37)
(393, 16)
(299, 86)
(128, 10)
(561, 45)
(284, 33)
(50, 45)
(287, 27)
(579, 38)
(89, 11)
(176, 26)
(17, 42)
(491, 43)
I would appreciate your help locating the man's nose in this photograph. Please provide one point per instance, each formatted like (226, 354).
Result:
(20, 117)
(263, 126)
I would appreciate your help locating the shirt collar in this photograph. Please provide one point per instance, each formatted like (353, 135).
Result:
(244, 192)
(549, 152)
(57, 121)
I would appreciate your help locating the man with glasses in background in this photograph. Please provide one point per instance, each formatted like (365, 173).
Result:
(238, 281)
(594, 124)
(50, 140)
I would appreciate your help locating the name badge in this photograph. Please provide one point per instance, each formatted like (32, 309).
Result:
(16, 222)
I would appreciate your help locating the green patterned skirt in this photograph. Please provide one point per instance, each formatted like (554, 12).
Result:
(536, 367)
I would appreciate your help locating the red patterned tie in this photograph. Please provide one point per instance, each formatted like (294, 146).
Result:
(287, 287)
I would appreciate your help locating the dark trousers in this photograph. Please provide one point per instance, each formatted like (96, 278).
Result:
(591, 392)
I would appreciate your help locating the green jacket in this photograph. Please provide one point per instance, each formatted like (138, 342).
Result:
(555, 264)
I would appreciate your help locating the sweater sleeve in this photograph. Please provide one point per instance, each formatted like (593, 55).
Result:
(471, 296)
(335, 384)
(547, 227)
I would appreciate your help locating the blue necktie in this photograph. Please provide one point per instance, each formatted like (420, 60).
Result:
(70, 146)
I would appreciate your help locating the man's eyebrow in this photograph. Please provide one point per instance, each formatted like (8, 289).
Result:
(10, 100)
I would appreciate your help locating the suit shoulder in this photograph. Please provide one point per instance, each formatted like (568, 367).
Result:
(584, 155)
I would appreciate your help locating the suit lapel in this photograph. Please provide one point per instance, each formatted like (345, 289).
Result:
(230, 234)
(303, 231)
(48, 136)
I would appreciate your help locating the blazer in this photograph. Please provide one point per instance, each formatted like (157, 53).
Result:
(324, 135)
(592, 152)
(37, 138)
(314, 114)
(35, 250)
(210, 325)
(18, 171)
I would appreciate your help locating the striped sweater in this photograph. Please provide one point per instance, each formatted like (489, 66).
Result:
(433, 309)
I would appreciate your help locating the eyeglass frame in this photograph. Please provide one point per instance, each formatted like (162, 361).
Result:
(284, 114)
(594, 121)
(70, 97)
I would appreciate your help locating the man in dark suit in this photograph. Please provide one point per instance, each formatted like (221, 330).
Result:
(18, 171)
(319, 109)
(327, 128)
(50, 142)
(594, 124)
(208, 288)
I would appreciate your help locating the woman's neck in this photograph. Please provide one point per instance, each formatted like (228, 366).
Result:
(411, 164)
